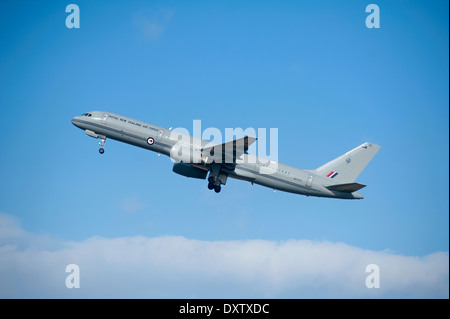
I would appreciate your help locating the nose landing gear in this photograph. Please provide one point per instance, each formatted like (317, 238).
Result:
(102, 144)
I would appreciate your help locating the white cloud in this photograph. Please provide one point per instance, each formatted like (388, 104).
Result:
(176, 267)
(152, 24)
(132, 204)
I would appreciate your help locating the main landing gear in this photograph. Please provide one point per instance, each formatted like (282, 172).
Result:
(102, 144)
(216, 178)
(213, 185)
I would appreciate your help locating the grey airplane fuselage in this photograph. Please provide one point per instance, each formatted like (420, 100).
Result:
(249, 167)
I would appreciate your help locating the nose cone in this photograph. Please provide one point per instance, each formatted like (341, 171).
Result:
(76, 121)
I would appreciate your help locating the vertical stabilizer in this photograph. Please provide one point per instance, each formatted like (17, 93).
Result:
(347, 167)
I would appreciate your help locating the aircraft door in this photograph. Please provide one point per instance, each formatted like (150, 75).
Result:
(160, 135)
(309, 181)
(163, 136)
(104, 118)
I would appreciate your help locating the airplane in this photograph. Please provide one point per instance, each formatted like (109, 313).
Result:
(195, 158)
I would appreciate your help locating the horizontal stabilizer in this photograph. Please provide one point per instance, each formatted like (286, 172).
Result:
(346, 188)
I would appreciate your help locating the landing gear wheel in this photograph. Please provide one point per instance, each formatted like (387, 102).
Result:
(102, 143)
(211, 185)
(217, 188)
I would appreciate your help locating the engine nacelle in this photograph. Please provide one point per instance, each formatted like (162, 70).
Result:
(184, 154)
(189, 171)
(91, 134)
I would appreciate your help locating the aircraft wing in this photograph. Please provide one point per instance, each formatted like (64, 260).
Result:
(230, 150)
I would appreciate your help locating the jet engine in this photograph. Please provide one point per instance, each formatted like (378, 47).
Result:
(189, 171)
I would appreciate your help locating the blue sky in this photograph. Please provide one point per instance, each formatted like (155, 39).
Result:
(311, 69)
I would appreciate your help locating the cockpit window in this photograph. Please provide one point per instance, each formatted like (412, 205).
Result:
(86, 114)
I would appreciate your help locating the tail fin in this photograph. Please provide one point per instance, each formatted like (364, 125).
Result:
(347, 167)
